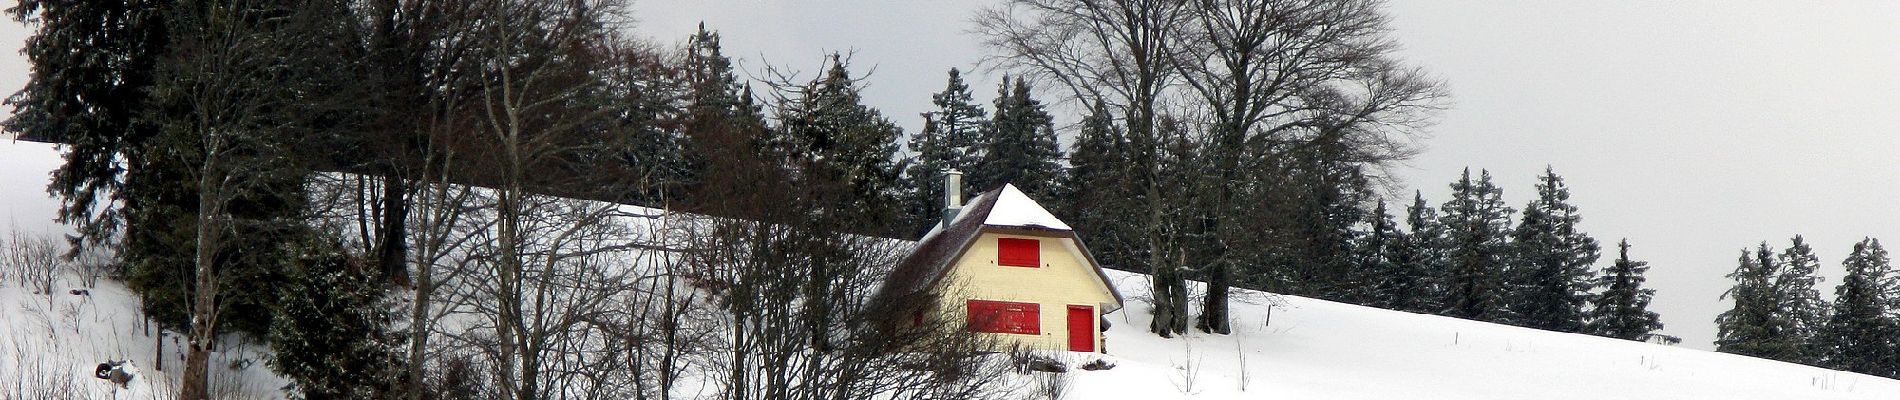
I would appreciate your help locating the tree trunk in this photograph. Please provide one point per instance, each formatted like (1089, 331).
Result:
(204, 304)
(195, 386)
(418, 321)
(394, 249)
(158, 352)
(1214, 315)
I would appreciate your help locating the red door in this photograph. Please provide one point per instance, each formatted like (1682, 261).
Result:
(1082, 328)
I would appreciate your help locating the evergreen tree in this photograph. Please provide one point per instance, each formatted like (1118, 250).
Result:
(1476, 224)
(949, 140)
(830, 136)
(1378, 265)
(331, 337)
(1417, 259)
(1550, 276)
(93, 65)
(1019, 147)
(1321, 199)
(644, 97)
(1859, 336)
(1800, 302)
(1098, 191)
(724, 131)
(1757, 325)
(1622, 310)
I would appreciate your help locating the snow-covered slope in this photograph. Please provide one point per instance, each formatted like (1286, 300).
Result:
(1310, 349)
(50, 343)
(1315, 349)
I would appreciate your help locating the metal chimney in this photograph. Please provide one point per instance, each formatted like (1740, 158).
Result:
(952, 196)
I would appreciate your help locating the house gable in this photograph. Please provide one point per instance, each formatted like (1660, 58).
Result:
(961, 266)
(1065, 275)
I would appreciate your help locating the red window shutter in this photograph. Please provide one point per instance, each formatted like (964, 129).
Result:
(1005, 317)
(1019, 252)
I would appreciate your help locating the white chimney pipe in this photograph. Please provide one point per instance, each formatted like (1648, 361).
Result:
(952, 196)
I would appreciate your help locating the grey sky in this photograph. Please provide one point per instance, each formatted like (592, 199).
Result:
(1692, 128)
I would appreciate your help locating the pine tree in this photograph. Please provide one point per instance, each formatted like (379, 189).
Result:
(949, 140)
(1859, 336)
(1550, 276)
(1476, 223)
(1622, 310)
(1019, 147)
(1800, 302)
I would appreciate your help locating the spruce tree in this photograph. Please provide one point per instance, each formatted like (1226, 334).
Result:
(1476, 223)
(1097, 190)
(948, 141)
(1320, 200)
(724, 130)
(1418, 259)
(93, 64)
(831, 136)
(1859, 335)
(1622, 309)
(1377, 265)
(1551, 264)
(331, 338)
(1019, 146)
(1801, 302)
(1757, 325)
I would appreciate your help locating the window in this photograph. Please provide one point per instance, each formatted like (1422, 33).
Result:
(1018, 252)
(1005, 317)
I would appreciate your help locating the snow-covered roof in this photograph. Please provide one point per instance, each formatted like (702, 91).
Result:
(1013, 208)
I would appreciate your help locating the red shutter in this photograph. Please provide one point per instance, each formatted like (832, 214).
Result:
(1005, 317)
(1018, 252)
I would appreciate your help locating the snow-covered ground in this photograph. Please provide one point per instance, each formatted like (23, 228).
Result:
(1315, 349)
(50, 343)
(1310, 349)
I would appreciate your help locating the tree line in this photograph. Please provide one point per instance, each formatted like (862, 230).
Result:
(1779, 312)
(420, 199)
(416, 198)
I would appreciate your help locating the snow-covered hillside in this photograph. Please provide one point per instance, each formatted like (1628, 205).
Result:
(1315, 349)
(1310, 349)
(50, 343)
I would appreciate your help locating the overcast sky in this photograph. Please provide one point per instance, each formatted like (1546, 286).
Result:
(1693, 128)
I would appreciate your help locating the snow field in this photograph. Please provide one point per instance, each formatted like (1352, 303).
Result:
(1316, 349)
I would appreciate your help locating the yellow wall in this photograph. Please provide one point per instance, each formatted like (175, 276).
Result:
(1065, 278)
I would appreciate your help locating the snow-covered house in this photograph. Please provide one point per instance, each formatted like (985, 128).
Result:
(1006, 267)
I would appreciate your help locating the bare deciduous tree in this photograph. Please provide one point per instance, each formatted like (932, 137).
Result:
(33, 260)
(1250, 81)
(1120, 53)
(227, 90)
(1289, 73)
